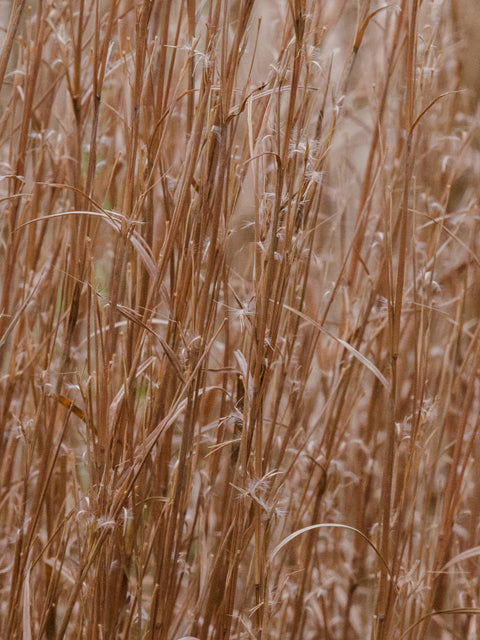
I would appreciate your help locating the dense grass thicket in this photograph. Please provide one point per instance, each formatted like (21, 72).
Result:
(239, 320)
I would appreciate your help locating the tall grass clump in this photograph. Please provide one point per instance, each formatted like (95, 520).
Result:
(239, 320)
